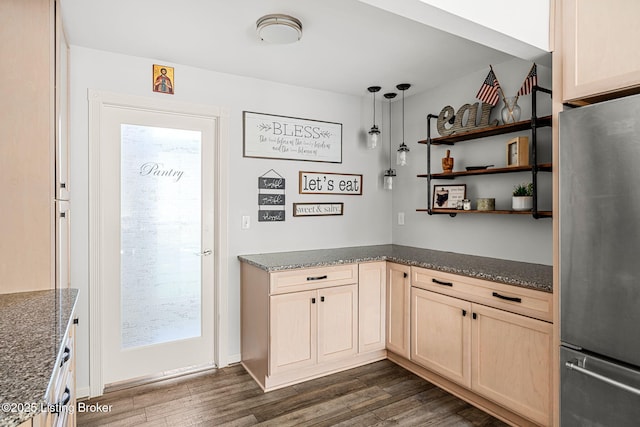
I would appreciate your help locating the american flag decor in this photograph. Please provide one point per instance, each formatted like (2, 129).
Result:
(488, 92)
(530, 81)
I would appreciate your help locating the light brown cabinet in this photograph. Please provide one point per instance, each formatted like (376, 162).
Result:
(33, 131)
(398, 308)
(305, 323)
(441, 334)
(478, 334)
(372, 286)
(599, 48)
(511, 361)
(312, 327)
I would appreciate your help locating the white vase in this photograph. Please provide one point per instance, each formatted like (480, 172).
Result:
(522, 203)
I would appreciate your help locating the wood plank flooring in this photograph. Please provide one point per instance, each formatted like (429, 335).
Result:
(378, 394)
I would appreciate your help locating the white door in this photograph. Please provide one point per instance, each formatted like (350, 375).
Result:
(157, 223)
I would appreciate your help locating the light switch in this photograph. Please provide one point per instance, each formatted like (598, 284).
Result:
(400, 218)
(246, 222)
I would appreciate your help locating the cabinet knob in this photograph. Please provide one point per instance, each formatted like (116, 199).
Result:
(464, 313)
(313, 300)
(475, 316)
(321, 299)
(405, 275)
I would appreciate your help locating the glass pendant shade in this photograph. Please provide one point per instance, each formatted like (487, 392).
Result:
(374, 135)
(388, 179)
(401, 156)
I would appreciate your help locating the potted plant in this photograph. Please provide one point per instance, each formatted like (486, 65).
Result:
(522, 197)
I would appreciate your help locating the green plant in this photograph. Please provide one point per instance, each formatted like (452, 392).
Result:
(521, 190)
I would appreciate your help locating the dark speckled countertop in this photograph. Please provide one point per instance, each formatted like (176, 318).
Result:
(524, 274)
(33, 326)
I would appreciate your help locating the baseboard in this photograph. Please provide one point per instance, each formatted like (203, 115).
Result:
(233, 359)
(83, 392)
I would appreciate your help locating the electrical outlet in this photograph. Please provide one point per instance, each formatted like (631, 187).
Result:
(400, 218)
(246, 222)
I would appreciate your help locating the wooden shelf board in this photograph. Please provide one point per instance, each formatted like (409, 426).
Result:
(546, 214)
(490, 171)
(488, 131)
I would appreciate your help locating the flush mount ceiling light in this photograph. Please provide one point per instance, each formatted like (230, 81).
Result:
(279, 29)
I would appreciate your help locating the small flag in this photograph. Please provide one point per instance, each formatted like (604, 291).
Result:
(488, 92)
(530, 81)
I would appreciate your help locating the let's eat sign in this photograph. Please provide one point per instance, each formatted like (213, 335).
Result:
(330, 183)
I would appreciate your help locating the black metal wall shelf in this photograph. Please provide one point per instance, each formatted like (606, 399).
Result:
(533, 124)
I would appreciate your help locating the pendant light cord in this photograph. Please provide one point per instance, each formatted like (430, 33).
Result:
(403, 116)
(374, 109)
(389, 133)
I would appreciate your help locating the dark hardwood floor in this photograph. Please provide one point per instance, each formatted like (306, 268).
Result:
(378, 394)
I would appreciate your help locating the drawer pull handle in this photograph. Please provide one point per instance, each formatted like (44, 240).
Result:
(321, 299)
(514, 299)
(66, 355)
(317, 277)
(442, 283)
(313, 300)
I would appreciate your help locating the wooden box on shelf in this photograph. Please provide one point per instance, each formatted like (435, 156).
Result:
(518, 151)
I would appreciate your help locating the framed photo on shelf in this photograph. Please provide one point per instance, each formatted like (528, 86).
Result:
(518, 151)
(448, 196)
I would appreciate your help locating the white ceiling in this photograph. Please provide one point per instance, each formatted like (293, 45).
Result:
(347, 45)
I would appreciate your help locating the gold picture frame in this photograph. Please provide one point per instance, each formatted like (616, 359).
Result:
(518, 151)
(163, 79)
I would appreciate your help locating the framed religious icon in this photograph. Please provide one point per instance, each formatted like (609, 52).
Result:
(518, 151)
(163, 81)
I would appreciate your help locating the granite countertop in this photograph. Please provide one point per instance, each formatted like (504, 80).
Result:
(524, 274)
(33, 326)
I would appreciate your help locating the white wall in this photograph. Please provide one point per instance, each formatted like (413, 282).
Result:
(366, 218)
(511, 237)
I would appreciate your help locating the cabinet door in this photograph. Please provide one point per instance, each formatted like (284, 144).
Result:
(337, 322)
(293, 327)
(599, 62)
(511, 361)
(371, 306)
(398, 296)
(441, 334)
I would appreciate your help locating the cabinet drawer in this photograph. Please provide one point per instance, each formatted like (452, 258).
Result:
(528, 302)
(313, 278)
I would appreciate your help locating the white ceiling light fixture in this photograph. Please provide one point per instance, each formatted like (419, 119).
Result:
(279, 29)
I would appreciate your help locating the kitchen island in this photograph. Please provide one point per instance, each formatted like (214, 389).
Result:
(35, 329)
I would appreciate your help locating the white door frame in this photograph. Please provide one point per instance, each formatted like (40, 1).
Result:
(97, 101)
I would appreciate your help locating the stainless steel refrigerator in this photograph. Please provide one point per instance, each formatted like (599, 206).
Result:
(600, 264)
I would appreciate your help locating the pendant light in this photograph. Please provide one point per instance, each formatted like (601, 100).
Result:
(401, 157)
(372, 141)
(389, 173)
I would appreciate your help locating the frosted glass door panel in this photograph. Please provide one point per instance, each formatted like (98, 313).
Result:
(161, 235)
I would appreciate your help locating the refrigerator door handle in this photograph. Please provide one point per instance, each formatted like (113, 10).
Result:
(572, 366)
